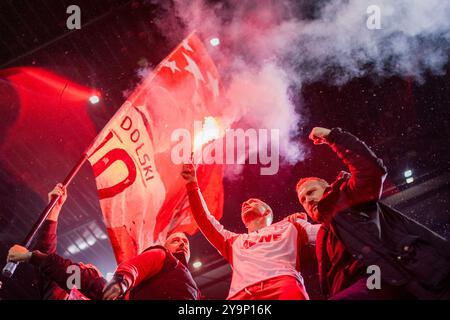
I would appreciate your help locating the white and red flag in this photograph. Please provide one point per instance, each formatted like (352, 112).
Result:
(142, 194)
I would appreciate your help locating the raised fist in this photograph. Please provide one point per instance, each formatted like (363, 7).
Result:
(189, 173)
(18, 253)
(318, 135)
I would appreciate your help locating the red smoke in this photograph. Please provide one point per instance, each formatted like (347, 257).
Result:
(47, 126)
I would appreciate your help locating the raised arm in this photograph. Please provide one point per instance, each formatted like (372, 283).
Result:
(216, 234)
(46, 241)
(367, 171)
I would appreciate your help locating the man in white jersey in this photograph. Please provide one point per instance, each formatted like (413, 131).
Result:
(266, 260)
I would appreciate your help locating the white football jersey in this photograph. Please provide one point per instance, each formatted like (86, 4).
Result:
(257, 256)
(267, 253)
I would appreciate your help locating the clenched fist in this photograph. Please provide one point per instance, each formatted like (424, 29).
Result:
(18, 254)
(189, 173)
(112, 291)
(319, 135)
(58, 190)
(116, 288)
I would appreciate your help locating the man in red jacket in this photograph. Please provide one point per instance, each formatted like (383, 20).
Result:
(358, 231)
(159, 273)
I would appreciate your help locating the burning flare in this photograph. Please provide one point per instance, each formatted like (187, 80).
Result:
(211, 130)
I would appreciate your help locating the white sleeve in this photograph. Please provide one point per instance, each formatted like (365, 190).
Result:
(310, 229)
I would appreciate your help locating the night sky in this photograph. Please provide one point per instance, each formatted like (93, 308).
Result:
(404, 119)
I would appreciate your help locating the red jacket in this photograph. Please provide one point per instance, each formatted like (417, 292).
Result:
(361, 231)
(338, 269)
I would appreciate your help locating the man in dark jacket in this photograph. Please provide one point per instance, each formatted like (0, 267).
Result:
(159, 273)
(359, 233)
(52, 272)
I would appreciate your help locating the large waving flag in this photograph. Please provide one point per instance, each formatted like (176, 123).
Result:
(142, 195)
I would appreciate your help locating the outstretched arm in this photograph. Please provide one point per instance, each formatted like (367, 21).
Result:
(367, 171)
(216, 234)
(300, 219)
(57, 269)
(46, 241)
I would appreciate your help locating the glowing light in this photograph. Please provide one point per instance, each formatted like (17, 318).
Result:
(73, 249)
(211, 130)
(408, 173)
(214, 42)
(94, 99)
(410, 180)
(197, 264)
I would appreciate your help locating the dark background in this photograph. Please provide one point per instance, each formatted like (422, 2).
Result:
(406, 124)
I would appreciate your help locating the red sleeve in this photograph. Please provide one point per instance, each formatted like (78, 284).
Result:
(216, 234)
(46, 240)
(367, 171)
(142, 267)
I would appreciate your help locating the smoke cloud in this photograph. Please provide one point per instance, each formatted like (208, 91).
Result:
(271, 48)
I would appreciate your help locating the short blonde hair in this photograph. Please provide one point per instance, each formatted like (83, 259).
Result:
(265, 205)
(304, 180)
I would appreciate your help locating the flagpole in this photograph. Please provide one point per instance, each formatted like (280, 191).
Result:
(10, 267)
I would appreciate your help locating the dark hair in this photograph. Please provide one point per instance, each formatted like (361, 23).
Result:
(172, 233)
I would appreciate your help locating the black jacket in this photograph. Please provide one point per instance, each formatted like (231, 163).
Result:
(55, 268)
(359, 231)
(46, 243)
(51, 269)
(173, 282)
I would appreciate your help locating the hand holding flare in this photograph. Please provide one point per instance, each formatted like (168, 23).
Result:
(189, 171)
